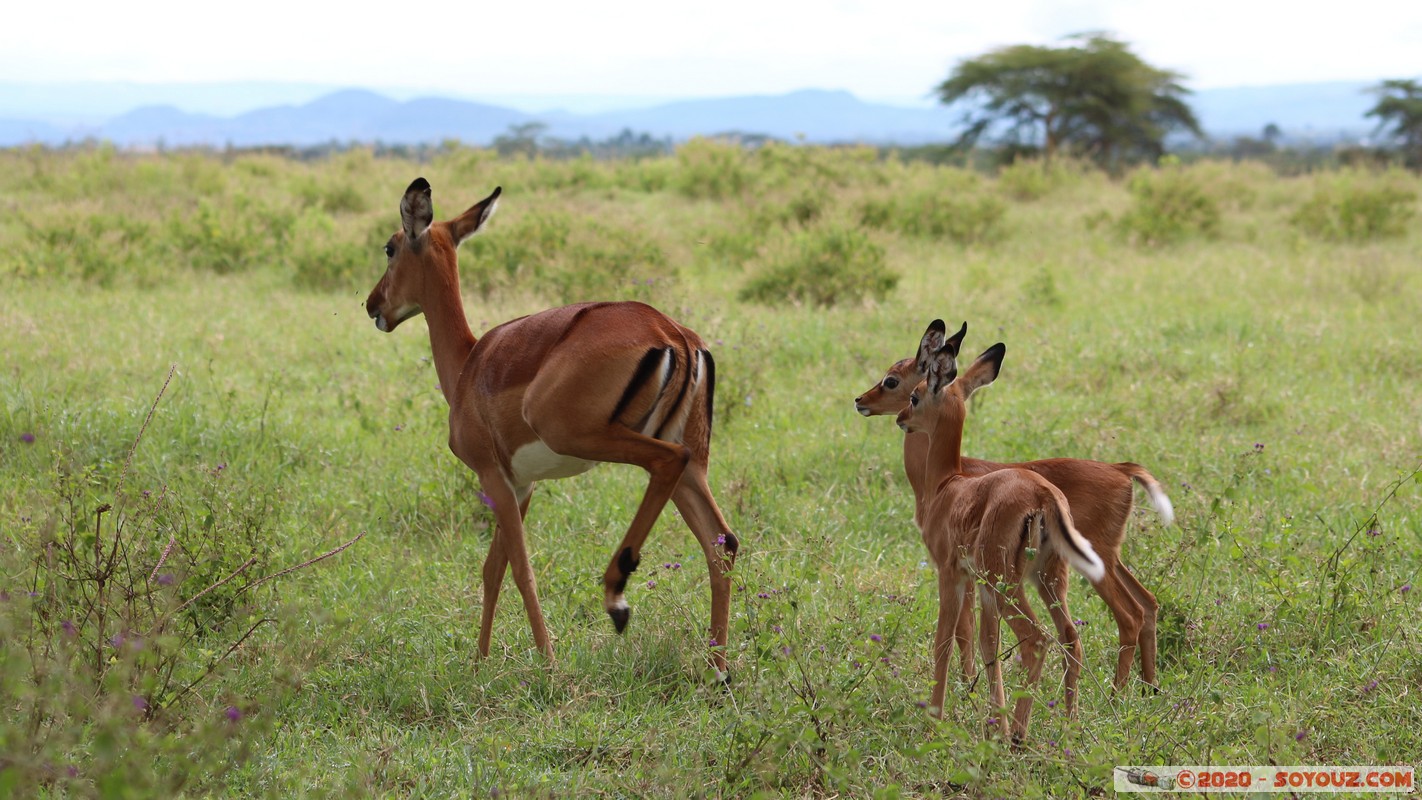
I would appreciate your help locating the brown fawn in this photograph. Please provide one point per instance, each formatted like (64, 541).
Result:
(1100, 497)
(978, 528)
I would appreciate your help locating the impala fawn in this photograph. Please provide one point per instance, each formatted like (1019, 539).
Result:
(978, 528)
(1100, 497)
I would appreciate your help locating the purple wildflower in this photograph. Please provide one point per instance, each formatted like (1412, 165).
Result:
(140, 704)
(1263, 626)
(776, 628)
(721, 539)
(874, 637)
(651, 584)
(117, 640)
(27, 438)
(676, 565)
(1258, 447)
(72, 771)
(1079, 622)
(486, 500)
(1372, 684)
(713, 642)
(68, 626)
(858, 665)
(166, 579)
(1051, 704)
(1406, 587)
(147, 493)
(763, 595)
(785, 649)
(233, 713)
(399, 427)
(1300, 736)
(922, 704)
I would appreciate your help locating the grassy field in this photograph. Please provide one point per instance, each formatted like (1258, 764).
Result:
(1251, 339)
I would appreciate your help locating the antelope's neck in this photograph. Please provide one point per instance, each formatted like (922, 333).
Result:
(450, 337)
(945, 452)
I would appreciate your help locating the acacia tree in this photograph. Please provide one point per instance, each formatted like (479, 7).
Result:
(1093, 97)
(1399, 113)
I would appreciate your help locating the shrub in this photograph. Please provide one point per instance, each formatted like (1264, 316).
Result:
(233, 237)
(323, 256)
(708, 169)
(1031, 179)
(1352, 206)
(825, 268)
(966, 218)
(566, 259)
(1168, 204)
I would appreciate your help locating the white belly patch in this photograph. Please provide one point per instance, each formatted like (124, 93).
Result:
(535, 462)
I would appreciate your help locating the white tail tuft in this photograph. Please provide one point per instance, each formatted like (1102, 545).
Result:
(1073, 546)
(1162, 504)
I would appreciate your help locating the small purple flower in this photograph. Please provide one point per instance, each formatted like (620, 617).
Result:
(1258, 447)
(1051, 704)
(147, 493)
(139, 704)
(884, 659)
(922, 704)
(117, 640)
(234, 714)
(1273, 668)
(72, 771)
(1300, 736)
(399, 427)
(1066, 751)
(721, 539)
(676, 565)
(166, 579)
(1080, 623)
(651, 584)
(486, 500)
(1374, 532)
(785, 649)
(1372, 684)
(1406, 587)
(874, 637)
(776, 628)
(763, 595)
(523, 684)
(713, 642)
(27, 438)
(1263, 626)
(858, 665)
(68, 626)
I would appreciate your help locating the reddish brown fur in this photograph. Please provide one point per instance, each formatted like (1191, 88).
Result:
(1100, 498)
(553, 379)
(977, 528)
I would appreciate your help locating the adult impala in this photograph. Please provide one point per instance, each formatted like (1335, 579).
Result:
(1099, 495)
(977, 528)
(553, 394)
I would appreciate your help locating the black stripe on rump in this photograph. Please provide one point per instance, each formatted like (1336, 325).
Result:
(710, 393)
(680, 396)
(646, 368)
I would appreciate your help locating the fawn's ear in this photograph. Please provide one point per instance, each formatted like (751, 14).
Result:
(983, 370)
(416, 209)
(938, 355)
(472, 221)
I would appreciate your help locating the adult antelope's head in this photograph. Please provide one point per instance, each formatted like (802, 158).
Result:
(422, 256)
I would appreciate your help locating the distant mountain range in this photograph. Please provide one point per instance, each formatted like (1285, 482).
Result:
(1319, 112)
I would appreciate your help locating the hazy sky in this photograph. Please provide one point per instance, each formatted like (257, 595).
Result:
(878, 50)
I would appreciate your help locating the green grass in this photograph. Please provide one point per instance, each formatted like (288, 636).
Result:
(1268, 377)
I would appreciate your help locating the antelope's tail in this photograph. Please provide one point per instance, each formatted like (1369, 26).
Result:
(1060, 532)
(1153, 490)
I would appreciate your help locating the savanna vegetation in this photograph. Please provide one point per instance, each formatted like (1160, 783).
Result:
(1250, 338)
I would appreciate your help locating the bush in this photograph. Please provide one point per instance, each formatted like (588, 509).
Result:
(1031, 179)
(825, 268)
(1353, 206)
(1168, 204)
(566, 259)
(966, 218)
(323, 256)
(708, 169)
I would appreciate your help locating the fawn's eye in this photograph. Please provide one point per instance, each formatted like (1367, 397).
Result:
(913, 399)
(891, 383)
(389, 250)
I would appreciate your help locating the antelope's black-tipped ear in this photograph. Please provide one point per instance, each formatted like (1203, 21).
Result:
(472, 221)
(931, 343)
(955, 342)
(984, 369)
(416, 209)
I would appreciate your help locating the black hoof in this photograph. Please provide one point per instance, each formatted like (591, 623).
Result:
(620, 616)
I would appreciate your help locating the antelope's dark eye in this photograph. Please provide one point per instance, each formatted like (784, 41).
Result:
(389, 250)
(913, 399)
(891, 382)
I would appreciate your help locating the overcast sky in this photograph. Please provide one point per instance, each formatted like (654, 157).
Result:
(878, 50)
